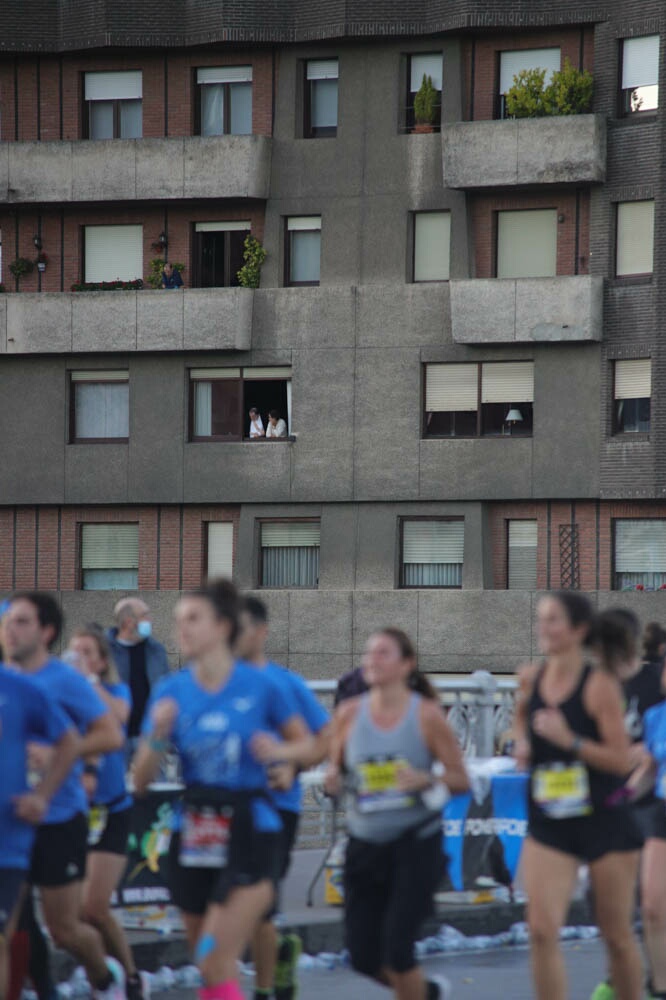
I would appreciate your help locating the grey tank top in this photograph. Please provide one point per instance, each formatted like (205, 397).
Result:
(376, 808)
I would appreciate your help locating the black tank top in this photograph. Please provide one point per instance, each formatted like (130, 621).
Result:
(544, 753)
(641, 692)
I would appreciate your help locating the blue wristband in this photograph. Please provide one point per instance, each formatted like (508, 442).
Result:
(158, 746)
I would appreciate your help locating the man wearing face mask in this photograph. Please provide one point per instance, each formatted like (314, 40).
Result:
(141, 659)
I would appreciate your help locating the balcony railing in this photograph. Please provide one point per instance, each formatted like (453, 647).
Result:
(230, 166)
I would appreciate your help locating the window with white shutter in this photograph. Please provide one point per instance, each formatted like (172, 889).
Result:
(109, 556)
(432, 553)
(113, 253)
(451, 400)
(522, 550)
(290, 554)
(99, 409)
(527, 243)
(321, 98)
(113, 105)
(225, 100)
(465, 400)
(515, 61)
(639, 84)
(639, 554)
(507, 398)
(632, 396)
(219, 549)
(432, 246)
(635, 238)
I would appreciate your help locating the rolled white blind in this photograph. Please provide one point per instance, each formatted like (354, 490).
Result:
(304, 222)
(110, 546)
(267, 372)
(100, 375)
(126, 85)
(222, 227)
(527, 243)
(635, 237)
(428, 64)
(322, 69)
(113, 253)
(640, 546)
(432, 243)
(285, 535)
(204, 374)
(522, 555)
(452, 388)
(433, 541)
(512, 63)
(640, 61)
(633, 379)
(507, 382)
(224, 74)
(220, 549)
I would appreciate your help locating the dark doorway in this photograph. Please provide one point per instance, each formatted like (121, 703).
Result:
(218, 257)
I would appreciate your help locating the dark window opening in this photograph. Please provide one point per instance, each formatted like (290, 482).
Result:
(321, 99)
(632, 416)
(264, 395)
(218, 257)
(461, 423)
(220, 407)
(512, 419)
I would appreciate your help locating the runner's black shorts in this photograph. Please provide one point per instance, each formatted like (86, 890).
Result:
(588, 837)
(651, 818)
(287, 840)
(12, 881)
(116, 834)
(388, 895)
(59, 853)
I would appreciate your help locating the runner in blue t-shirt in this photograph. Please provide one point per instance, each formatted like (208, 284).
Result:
(223, 853)
(654, 852)
(276, 959)
(111, 804)
(30, 627)
(25, 714)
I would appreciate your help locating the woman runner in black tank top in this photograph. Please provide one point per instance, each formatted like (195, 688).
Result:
(570, 735)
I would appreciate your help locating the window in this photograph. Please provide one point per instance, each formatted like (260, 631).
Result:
(522, 549)
(218, 253)
(321, 98)
(225, 100)
(633, 389)
(432, 241)
(432, 553)
(221, 399)
(99, 406)
(113, 253)
(303, 253)
(635, 238)
(527, 243)
(640, 554)
(640, 75)
(290, 554)
(514, 62)
(113, 105)
(490, 399)
(219, 549)
(420, 65)
(109, 556)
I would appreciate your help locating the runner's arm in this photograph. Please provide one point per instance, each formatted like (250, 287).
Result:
(119, 707)
(103, 735)
(342, 721)
(156, 740)
(522, 750)
(444, 747)
(603, 701)
(296, 747)
(33, 806)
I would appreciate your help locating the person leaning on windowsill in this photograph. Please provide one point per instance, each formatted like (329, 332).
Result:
(171, 277)
(277, 427)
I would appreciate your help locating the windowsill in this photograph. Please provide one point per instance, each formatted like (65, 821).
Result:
(406, 587)
(630, 437)
(636, 117)
(303, 284)
(430, 281)
(99, 441)
(620, 280)
(290, 439)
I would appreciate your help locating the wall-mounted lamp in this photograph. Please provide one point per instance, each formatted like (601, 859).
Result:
(561, 218)
(37, 241)
(162, 239)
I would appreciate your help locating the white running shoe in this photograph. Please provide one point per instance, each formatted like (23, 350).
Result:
(116, 991)
(443, 985)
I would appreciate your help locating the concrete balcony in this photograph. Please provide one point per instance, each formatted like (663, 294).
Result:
(527, 310)
(231, 166)
(195, 319)
(566, 150)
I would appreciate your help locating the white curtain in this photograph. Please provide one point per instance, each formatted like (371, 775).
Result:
(305, 256)
(289, 407)
(102, 411)
(433, 574)
(212, 109)
(203, 409)
(293, 566)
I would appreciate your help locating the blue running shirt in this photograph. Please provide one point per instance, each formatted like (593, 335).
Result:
(111, 787)
(76, 697)
(654, 735)
(26, 714)
(213, 731)
(313, 714)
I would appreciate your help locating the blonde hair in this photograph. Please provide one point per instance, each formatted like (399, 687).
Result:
(110, 673)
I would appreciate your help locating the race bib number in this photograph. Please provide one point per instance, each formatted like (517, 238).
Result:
(98, 817)
(378, 786)
(204, 839)
(562, 791)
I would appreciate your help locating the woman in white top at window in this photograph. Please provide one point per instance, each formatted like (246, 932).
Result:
(277, 428)
(256, 424)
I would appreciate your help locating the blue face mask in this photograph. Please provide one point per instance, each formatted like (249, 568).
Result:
(145, 629)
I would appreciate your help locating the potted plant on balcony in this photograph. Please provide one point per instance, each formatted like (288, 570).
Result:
(425, 106)
(254, 255)
(568, 93)
(20, 266)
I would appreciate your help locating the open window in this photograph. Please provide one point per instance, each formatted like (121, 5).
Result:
(221, 400)
(218, 253)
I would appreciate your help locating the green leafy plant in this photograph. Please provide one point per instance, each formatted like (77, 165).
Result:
(21, 266)
(425, 102)
(107, 286)
(154, 278)
(254, 255)
(568, 93)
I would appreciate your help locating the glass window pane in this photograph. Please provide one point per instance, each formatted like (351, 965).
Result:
(241, 108)
(305, 256)
(101, 411)
(225, 414)
(110, 579)
(429, 64)
(527, 244)
(633, 416)
(101, 119)
(635, 237)
(324, 106)
(212, 109)
(292, 566)
(641, 99)
(432, 239)
(131, 120)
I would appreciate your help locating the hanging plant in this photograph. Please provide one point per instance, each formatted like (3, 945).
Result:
(19, 267)
(254, 255)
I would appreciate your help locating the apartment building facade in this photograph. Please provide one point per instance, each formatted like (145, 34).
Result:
(461, 329)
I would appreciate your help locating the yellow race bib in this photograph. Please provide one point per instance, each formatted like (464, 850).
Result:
(562, 791)
(377, 786)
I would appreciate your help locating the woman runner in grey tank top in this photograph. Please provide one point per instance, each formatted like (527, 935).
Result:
(384, 747)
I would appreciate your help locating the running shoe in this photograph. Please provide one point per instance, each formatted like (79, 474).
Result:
(604, 991)
(116, 990)
(286, 972)
(439, 988)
